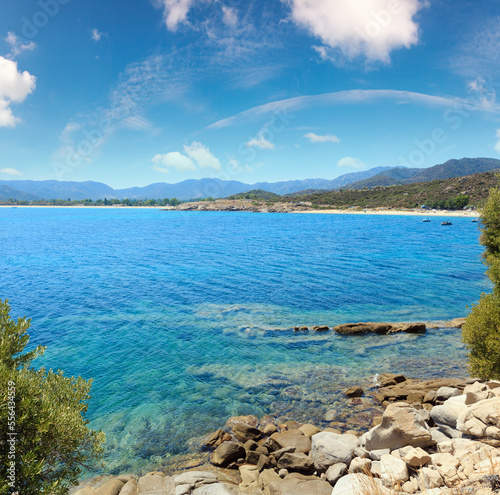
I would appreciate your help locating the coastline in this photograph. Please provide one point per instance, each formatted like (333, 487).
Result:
(425, 213)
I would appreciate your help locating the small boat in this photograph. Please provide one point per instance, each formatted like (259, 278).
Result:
(426, 220)
(474, 220)
(446, 222)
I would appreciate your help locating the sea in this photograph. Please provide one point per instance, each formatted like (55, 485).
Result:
(183, 319)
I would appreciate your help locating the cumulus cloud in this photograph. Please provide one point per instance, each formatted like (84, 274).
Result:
(10, 171)
(497, 144)
(260, 142)
(198, 157)
(327, 138)
(175, 12)
(349, 162)
(174, 159)
(96, 35)
(17, 46)
(15, 87)
(369, 28)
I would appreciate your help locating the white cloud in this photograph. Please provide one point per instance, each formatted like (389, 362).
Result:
(260, 142)
(369, 28)
(328, 138)
(497, 144)
(201, 154)
(230, 17)
(17, 46)
(350, 162)
(174, 159)
(10, 171)
(96, 35)
(15, 87)
(175, 12)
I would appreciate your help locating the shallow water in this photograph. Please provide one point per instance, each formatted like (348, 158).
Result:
(181, 317)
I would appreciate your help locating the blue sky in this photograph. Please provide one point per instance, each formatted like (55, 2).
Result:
(141, 91)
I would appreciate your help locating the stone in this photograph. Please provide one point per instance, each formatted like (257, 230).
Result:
(267, 476)
(447, 466)
(251, 445)
(356, 484)
(154, 484)
(293, 438)
(411, 486)
(262, 462)
(401, 425)
(130, 488)
(87, 490)
(248, 420)
(252, 457)
(393, 471)
(249, 475)
(283, 472)
(186, 482)
(111, 487)
(309, 430)
(244, 432)
(416, 457)
(481, 419)
(361, 452)
(360, 328)
(216, 489)
(296, 462)
(449, 411)
(430, 478)
(354, 392)
(445, 393)
(270, 429)
(335, 472)
(330, 448)
(226, 453)
(216, 438)
(376, 455)
(125, 477)
(278, 453)
(360, 465)
(457, 323)
(476, 392)
(297, 486)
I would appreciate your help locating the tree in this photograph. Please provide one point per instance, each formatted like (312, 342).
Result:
(481, 332)
(45, 442)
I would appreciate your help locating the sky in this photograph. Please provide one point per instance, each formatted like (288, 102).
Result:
(141, 91)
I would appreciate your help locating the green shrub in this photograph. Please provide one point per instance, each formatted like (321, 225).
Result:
(45, 442)
(481, 332)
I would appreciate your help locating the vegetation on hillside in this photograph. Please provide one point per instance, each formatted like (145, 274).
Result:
(458, 192)
(481, 332)
(255, 194)
(44, 436)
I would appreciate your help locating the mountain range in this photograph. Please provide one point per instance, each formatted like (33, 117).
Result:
(30, 190)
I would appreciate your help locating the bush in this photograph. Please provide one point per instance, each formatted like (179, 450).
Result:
(45, 440)
(481, 332)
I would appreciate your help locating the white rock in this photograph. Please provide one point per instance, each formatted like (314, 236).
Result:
(416, 457)
(393, 470)
(354, 484)
(448, 413)
(430, 478)
(479, 417)
(331, 448)
(360, 465)
(333, 473)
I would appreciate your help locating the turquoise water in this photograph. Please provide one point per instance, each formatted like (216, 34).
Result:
(181, 318)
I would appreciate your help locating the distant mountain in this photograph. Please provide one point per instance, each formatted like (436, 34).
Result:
(7, 192)
(447, 170)
(289, 186)
(344, 180)
(54, 189)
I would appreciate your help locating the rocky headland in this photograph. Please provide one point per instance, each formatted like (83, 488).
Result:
(436, 437)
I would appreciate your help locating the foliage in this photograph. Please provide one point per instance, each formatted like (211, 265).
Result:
(481, 332)
(255, 194)
(45, 440)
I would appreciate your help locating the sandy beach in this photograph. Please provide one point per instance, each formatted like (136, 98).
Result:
(421, 213)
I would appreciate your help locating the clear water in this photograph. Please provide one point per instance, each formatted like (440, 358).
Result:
(181, 318)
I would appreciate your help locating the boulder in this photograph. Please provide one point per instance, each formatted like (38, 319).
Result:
(267, 476)
(249, 476)
(481, 419)
(154, 484)
(360, 328)
(130, 488)
(335, 472)
(297, 486)
(360, 465)
(354, 392)
(86, 490)
(309, 430)
(293, 438)
(111, 487)
(416, 457)
(226, 453)
(216, 489)
(430, 478)
(393, 471)
(244, 432)
(298, 462)
(194, 479)
(445, 393)
(331, 448)
(356, 484)
(449, 411)
(476, 392)
(248, 420)
(216, 438)
(401, 425)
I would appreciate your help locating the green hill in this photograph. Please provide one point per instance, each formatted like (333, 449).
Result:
(255, 194)
(447, 193)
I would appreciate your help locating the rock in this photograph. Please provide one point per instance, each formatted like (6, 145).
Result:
(249, 420)
(296, 462)
(125, 477)
(393, 471)
(387, 379)
(322, 328)
(270, 429)
(481, 419)
(376, 455)
(331, 448)
(244, 432)
(267, 476)
(251, 445)
(413, 328)
(356, 484)
(130, 488)
(430, 478)
(449, 411)
(361, 452)
(216, 438)
(411, 486)
(354, 392)
(476, 392)
(297, 486)
(336, 471)
(456, 323)
(186, 482)
(416, 457)
(252, 457)
(226, 453)
(401, 425)
(309, 430)
(87, 490)
(447, 466)
(445, 393)
(249, 475)
(154, 484)
(360, 328)
(263, 462)
(360, 465)
(293, 438)
(111, 487)
(216, 489)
